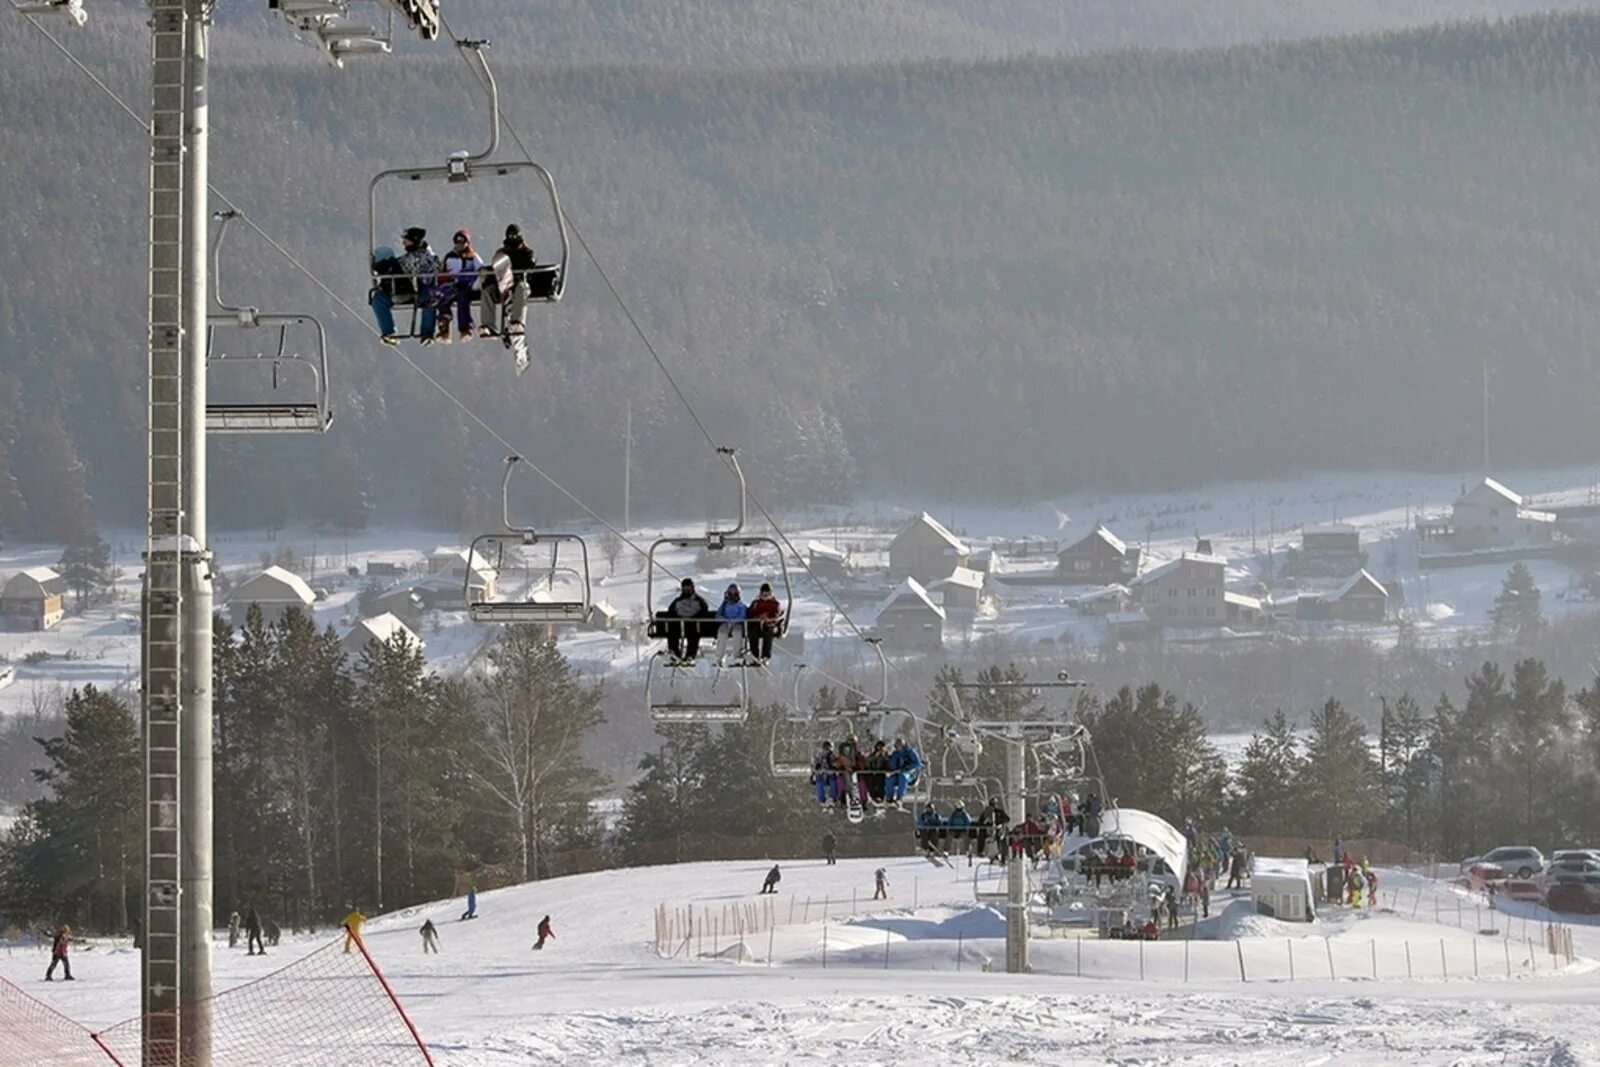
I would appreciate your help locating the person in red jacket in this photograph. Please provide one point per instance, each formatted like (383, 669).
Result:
(763, 615)
(59, 946)
(545, 933)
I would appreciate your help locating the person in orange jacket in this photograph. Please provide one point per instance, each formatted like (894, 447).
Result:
(545, 933)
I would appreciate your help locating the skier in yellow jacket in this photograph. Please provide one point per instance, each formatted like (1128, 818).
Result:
(352, 927)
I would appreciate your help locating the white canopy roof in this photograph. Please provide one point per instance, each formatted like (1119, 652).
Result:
(1151, 831)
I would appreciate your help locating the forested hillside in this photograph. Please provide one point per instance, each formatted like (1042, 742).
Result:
(999, 280)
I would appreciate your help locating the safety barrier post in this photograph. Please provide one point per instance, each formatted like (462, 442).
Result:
(1408, 959)
(1327, 943)
(886, 949)
(1374, 959)
(1141, 959)
(1508, 957)
(1288, 943)
(772, 932)
(1186, 945)
(1533, 958)
(1444, 964)
(1240, 946)
(1080, 957)
(1475, 958)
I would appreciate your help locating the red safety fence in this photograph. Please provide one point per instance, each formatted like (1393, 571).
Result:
(332, 1008)
(32, 1032)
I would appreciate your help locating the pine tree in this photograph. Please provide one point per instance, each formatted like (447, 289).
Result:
(88, 829)
(1341, 790)
(1405, 763)
(661, 811)
(1535, 733)
(1267, 781)
(86, 567)
(1516, 609)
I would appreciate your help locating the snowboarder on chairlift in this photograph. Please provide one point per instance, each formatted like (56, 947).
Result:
(822, 773)
(545, 933)
(773, 877)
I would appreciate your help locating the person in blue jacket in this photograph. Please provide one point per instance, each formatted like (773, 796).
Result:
(959, 828)
(730, 615)
(929, 825)
(472, 904)
(906, 764)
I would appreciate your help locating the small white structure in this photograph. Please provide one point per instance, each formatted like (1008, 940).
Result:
(960, 595)
(275, 590)
(1282, 889)
(453, 564)
(1153, 832)
(910, 621)
(379, 628)
(1492, 516)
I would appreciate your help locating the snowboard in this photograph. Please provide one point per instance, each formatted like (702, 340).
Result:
(853, 812)
(505, 280)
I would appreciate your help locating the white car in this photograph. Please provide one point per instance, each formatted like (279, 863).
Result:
(1518, 861)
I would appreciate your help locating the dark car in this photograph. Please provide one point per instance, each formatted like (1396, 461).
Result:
(1580, 895)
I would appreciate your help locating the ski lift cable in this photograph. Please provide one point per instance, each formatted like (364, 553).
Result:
(672, 381)
(300, 266)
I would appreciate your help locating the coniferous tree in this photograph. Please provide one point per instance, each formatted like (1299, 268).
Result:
(1535, 733)
(1340, 794)
(85, 565)
(1405, 764)
(661, 811)
(1517, 608)
(1267, 782)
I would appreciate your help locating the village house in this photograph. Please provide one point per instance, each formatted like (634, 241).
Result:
(275, 591)
(960, 595)
(402, 602)
(910, 621)
(33, 599)
(1184, 592)
(1099, 558)
(1492, 516)
(381, 629)
(452, 565)
(1332, 541)
(1362, 598)
(827, 564)
(926, 551)
(1243, 612)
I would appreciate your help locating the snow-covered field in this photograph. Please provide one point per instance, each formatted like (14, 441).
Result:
(1244, 521)
(601, 993)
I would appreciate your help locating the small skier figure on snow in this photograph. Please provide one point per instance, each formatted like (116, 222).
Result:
(545, 933)
(472, 904)
(430, 938)
(881, 884)
(60, 946)
(252, 929)
(771, 884)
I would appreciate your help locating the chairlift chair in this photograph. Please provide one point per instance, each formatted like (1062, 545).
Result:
(72, 9)
(546, 282)
(533, 608)
(713, 541)
(311, 411)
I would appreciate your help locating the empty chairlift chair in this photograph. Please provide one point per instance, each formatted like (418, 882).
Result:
(294, 346)
(570, 606)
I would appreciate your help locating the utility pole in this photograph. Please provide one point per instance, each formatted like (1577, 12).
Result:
(627, 470)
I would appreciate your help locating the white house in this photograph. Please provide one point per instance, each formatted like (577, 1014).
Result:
(1184, 592)
(275, 590)
(379, 628)
(926, 551)
(34, 599)
(1492, 516)
(910, 621)
(1282, 888)
(960, 594)
(453, 563)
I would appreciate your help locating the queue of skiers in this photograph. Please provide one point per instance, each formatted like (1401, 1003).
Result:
(879, 776)
(1035, 838)
(744, 631)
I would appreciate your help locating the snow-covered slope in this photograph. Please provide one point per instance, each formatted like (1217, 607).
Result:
(599, 992)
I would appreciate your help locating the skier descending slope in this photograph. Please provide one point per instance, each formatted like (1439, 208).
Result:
(773, 877)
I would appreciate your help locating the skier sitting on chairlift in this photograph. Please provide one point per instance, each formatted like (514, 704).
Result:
(764, 615)
(516, 301)
(410, 277)
(681, 619)
(730, 633)
(822, 773)
(459, 275)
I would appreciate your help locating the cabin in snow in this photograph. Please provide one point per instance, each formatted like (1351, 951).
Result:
(1492, 516)
(910, 621)
(1362, 598)
(926, 551)
(1099, 558)
(381, 629)
(827, 564)
(960, 595)
(275, 591)
(1186, 591)
(34, 599)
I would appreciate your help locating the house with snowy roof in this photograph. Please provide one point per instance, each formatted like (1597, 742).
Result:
(275, 591)
(960, 594)
(827, 563)
(33, 599)
(1360, 598)
(926, 551)
(909, 620)
(1492, 516)
(381, 629)
(1186, 591)
(1098, 558)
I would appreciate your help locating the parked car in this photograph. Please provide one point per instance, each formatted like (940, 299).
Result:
(1579, 895)
(1575, 853)
(1570, 869)
(1521, 860)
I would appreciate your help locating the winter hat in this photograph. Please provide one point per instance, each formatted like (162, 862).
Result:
(732, 591)
(766, 587)
(513, 230)
(416, 233)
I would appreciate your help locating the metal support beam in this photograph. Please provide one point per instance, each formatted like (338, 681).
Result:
(1017, 868)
